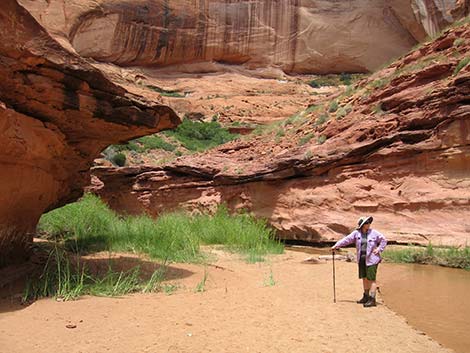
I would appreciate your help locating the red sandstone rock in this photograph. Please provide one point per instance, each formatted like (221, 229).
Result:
(57, 113)
(314, 36)
(402, 155)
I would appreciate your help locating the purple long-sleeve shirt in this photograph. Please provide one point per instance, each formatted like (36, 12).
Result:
(375, 240)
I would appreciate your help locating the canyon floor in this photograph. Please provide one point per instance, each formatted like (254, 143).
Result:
(281, 305)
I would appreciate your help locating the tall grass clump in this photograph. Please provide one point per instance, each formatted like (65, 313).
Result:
(114, 284)
(89, 225)
(85, 226)
(462, 63)
(67, 279)
(59, 278)
(443, 256)
(239, 233)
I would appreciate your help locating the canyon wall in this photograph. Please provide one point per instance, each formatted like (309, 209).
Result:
(297, 36)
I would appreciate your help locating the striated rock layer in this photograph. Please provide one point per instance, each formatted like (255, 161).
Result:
(57, 113)
(298, 36)
(398, 148)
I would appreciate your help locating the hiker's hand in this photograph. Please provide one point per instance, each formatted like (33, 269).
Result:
(376, 251)
(333, 248)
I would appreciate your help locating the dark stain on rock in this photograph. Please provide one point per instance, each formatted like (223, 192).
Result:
(164, 35)
(71, 96)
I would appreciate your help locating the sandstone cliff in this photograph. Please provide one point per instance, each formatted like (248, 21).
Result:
(397, 147)
(57, 113)
(298, 36)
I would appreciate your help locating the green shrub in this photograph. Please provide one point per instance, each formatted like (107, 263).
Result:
(154, 142)
(321, 139)
(350, 90)
(311, 108)
(146, 143)
(292, 119)
(379, 83)
(323, 118)
(458, 42)
(343, 111)
(346, 78)
(333, 107)
(325, 81)
(305, 139)
(200, 136)
(314, 84)
(119, 159)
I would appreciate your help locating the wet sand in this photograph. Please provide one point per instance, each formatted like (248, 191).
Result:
(242, 310)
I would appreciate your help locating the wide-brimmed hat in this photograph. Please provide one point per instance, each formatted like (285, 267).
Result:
(364, 220)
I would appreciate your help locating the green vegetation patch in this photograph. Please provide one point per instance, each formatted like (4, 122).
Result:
(343, 111)
(321, 139)
(305, 139)
(154, 142)
(449, 257)
(458, 42)
(333, 107)
(334, 80)
(464, 62)
(165, 92)
(323, 118)
(119, 159)
(89, 226)
(200, 136)
(146, 143)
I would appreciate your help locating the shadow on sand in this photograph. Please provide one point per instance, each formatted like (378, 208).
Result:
(13, 279)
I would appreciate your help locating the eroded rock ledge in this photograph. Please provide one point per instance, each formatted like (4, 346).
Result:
(57, 113)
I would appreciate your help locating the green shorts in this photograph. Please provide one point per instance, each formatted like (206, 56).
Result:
(368, 272)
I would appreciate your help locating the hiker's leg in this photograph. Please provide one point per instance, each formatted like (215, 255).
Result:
(366, 285)
(373, 288)
(371, 276)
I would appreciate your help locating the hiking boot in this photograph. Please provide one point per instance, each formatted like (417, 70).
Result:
(371, 302)
(364, 299)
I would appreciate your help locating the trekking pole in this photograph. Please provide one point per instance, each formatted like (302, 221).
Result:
(334, 278)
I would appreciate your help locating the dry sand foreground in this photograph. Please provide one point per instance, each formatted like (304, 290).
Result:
(238, 312)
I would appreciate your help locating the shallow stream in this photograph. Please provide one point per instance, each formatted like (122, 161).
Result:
(433, 299)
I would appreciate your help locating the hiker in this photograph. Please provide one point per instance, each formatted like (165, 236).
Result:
(369, 245)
